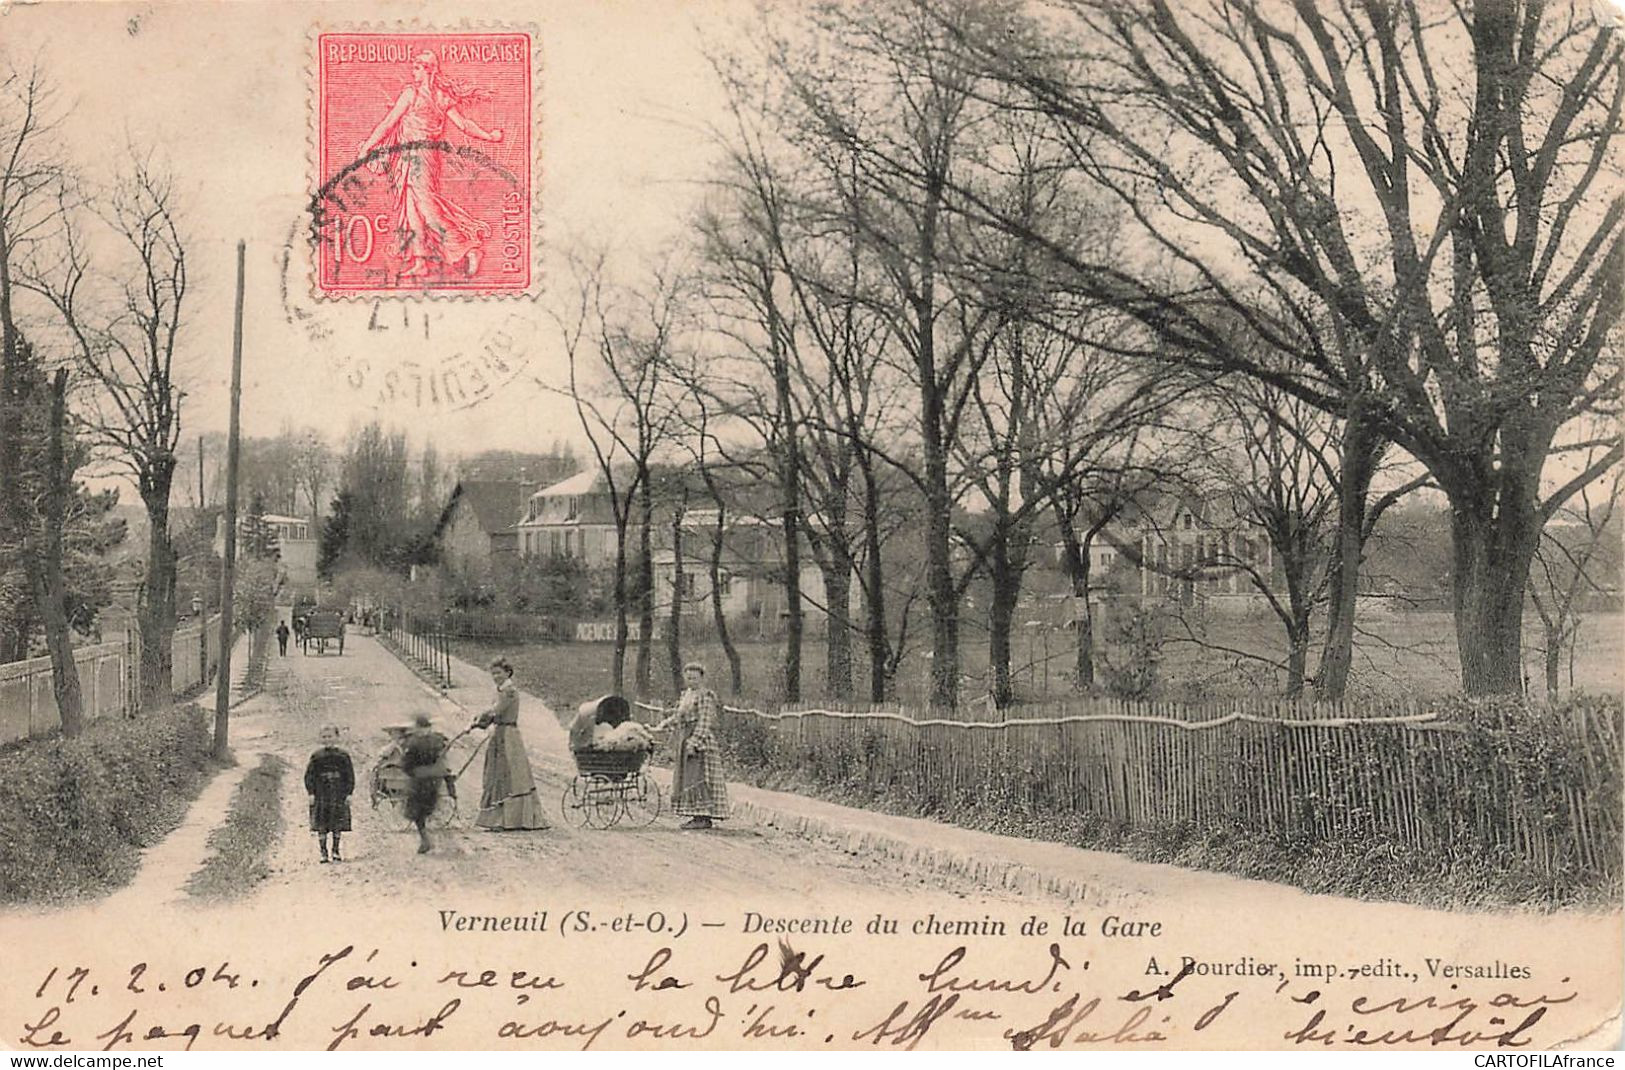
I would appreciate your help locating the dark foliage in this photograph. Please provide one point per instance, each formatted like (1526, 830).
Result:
(74, 813)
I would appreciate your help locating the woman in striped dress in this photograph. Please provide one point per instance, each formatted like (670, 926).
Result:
(698, 791)
(508, 798)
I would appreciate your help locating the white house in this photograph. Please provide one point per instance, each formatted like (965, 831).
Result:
(297, 547)
(1193, 551)
(572, 518)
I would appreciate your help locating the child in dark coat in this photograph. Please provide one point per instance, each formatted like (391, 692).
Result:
(423, 758)
(329, 780)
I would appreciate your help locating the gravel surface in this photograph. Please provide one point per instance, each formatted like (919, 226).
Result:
(367, 688)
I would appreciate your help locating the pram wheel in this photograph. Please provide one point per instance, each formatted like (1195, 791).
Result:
(641, 800)
(604, 799)
(574, 804)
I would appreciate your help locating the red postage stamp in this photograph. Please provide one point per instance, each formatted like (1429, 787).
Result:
(425, 163)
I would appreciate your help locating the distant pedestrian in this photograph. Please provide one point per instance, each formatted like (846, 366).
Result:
(508, 799)
(282, 637)
(329, 781)
(423, 759)
(698, 790)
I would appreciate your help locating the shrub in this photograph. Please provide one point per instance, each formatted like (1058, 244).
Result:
(75, 812)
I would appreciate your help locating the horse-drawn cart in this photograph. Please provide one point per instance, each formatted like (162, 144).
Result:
(323, 626)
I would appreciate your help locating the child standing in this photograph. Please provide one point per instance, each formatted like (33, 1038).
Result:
(329, 780)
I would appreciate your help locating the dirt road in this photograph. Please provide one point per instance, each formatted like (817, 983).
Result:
(367, 688)
(934, 922)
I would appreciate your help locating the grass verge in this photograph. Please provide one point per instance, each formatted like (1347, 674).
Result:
(241, 847)
(76, 813)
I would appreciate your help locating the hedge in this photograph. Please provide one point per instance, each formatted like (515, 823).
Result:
(1493, 802)
(75, 813)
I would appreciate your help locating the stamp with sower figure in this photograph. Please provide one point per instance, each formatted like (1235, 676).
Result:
(425, 163)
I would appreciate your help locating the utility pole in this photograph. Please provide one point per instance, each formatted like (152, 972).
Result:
(222, 685)
(201, 503)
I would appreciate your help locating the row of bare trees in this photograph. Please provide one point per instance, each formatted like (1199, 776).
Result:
(967, 266)
(93, 284)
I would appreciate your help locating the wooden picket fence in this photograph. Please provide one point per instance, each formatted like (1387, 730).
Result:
(1539, 784)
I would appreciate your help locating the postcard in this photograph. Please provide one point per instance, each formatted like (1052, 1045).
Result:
(937, 524)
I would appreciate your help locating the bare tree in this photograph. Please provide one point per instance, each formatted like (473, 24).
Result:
(619, 348)
(1106, 488)
(744, 284)
(1481, 283)
(33, 512)
(1280, 479)
(1579, 558)
(786, 228)
(699, 437)
(124, 328)
(901, 114)
(312, 467)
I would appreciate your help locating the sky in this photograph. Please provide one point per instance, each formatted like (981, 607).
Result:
(223, 93)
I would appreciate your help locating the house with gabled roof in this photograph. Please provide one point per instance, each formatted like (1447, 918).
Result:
(1198, 548)
(479, 525)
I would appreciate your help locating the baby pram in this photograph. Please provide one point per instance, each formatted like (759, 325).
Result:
(391, 783)
(610, 785)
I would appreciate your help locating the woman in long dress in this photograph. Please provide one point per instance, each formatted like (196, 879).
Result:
(508, 799)
(698, 790)
(431, 232)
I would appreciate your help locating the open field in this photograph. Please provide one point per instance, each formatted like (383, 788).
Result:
(1407, 655)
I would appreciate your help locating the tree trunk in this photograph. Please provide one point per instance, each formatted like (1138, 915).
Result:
(1361, 447)
(1554, 660)
(943, 600)
(792, 603)
(10, 358)
(942, 595)
(837, 622)
(874, 591)
(646, 583)
(718, 617)
(1085, 665)
(618, 665)
(1001, 618)
(674, 632)
(1491, 556)
(1297, 653)
(157, 611)
(1075, 559)
(790, 505)
(1342, 588)
(45, 569)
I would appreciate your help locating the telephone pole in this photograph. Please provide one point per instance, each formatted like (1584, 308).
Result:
(222, 684)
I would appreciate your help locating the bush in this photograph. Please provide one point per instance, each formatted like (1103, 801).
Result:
(75, 812)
